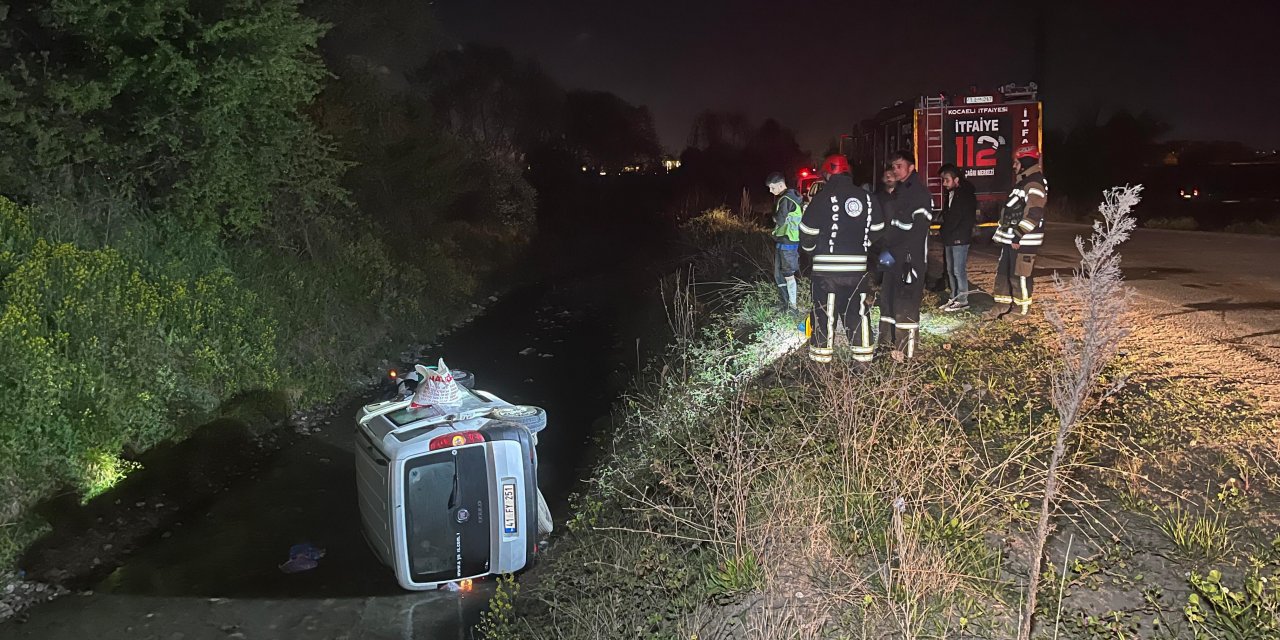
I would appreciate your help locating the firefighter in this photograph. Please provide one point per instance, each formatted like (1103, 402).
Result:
(880, 196)
(1021, 231)
(908, 216)
(786, 238)
(837, 229)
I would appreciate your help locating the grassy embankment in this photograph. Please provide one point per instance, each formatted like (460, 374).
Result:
(752, 495)
(109, 350)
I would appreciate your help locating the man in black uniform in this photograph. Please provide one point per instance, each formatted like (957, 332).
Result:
(880, 197)
(909, 214)
(836, 230)
(1021, 231)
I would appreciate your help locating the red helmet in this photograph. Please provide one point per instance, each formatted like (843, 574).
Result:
(835, 164)
(1027, 151)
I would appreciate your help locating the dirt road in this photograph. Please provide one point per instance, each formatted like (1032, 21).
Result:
(1205, 303)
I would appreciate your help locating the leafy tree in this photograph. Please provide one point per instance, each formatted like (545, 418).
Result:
(189, 110)
(1093, 153)
(396, 35)
(728, 153)
(486, 97)
(609, 132)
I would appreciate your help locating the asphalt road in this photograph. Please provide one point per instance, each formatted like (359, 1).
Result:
(1224, 286)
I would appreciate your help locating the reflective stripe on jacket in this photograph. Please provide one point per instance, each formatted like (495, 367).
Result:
(787, 223)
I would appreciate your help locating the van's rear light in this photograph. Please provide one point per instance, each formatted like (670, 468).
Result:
(456, 439)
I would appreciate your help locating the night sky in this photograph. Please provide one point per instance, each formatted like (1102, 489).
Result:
(819, 67)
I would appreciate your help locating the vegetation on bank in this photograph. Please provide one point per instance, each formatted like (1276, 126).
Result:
(180, 225)
(1187, 223)
(751, 494)
(204, 200)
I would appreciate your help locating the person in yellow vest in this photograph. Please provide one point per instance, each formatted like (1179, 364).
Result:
(786, 239)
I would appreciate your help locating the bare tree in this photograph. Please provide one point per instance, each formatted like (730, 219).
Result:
(1089, 316)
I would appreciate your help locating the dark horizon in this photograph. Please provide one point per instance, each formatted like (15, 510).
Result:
(1166, 59)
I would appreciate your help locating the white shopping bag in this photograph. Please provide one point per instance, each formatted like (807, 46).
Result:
(437, 388)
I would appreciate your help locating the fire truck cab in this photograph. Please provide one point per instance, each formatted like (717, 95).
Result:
(808, 180)
(977, 132)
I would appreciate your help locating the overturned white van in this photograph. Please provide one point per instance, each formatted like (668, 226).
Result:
(450, 497)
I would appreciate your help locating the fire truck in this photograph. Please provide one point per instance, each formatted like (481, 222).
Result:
(977, 132)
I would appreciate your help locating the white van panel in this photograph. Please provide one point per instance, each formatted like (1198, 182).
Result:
(371, 487)
(509, 551)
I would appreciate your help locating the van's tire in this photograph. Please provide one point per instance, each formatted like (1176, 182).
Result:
(545, 523)
(464, 378)
(533, 418)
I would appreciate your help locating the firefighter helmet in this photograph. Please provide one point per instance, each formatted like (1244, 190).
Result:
(1027, 151)
(835, 164)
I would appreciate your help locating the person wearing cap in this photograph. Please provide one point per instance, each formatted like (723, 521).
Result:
(837, 230)
(1021, 232)
(910, 212)
(786, 239)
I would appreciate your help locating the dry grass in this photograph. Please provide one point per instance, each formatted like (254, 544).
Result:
(762, 499)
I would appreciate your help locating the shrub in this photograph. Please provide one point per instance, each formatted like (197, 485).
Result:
(96, 357)
(1183, 223)
(1255, 227)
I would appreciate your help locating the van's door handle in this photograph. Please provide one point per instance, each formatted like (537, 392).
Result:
(380, 462)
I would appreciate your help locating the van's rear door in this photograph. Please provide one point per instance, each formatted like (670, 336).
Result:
(447, 506)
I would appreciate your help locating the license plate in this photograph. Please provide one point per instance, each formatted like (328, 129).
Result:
(508, 508)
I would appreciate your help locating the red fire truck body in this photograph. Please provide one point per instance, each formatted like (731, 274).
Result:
(975, 132)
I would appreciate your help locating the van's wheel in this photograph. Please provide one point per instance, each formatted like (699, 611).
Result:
(464, 378)
(533, 418)
(545, 523)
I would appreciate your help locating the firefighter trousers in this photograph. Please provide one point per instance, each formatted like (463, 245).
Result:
(900, 311)
(1013, 278)
(841, 298)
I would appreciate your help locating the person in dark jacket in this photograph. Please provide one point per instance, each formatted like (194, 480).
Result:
(909, 214)
(881, 195)
(838, 226)
(959, 215)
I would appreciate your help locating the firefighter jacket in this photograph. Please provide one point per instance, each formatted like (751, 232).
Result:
(910, 212)
(959, 215)
(838, 226)
(786, 218)
(1022, 219)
